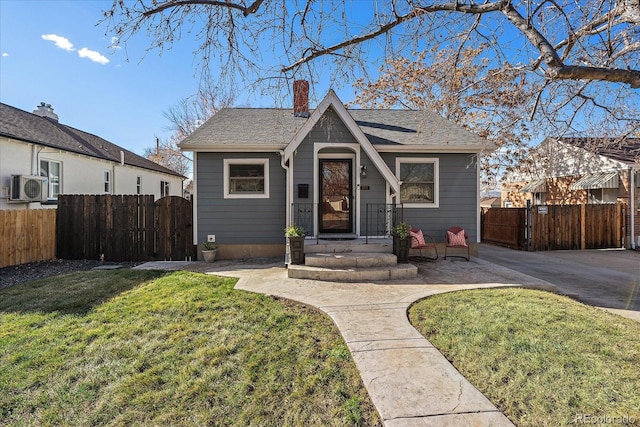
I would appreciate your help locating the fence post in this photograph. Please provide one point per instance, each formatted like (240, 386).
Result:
(583, 226)
(528, 227)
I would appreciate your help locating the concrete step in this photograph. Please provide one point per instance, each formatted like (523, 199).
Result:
(348, 246)
(350, 259)
(354, 274)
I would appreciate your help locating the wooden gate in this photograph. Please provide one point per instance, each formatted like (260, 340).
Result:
(505, 227)
(124, 228)
(556, 227)
(173, 228)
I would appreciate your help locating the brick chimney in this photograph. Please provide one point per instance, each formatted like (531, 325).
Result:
(301, 98)
(45, 110)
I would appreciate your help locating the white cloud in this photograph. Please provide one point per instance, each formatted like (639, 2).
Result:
(114, 43)
(64, 43)
(93, 55)
(5, 54)
(61, 42)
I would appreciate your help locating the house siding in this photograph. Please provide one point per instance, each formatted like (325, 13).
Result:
(457, 193)
(374, 195)
(79, 174)
(457, 178)
(331, 129)
(239, 221)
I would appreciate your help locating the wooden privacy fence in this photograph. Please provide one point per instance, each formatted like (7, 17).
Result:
(577, 227)
(505, 227)
(124, 228)
(27, 235)
(556, 227)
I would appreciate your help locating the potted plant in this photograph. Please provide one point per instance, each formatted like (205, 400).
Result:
(295, 235)
(209, 252)
(401, 242)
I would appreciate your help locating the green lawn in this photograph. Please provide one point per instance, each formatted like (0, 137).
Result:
(543, 359)
(131, 347)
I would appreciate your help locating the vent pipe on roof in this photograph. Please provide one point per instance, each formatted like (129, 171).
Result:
(45, 110)
(301, 98)
(121, 158)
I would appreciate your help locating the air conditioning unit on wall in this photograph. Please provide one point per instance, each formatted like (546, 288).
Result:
(26, 188)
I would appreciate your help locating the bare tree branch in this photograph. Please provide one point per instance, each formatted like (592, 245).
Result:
(558, 45)
(246, 11)
(399, 19)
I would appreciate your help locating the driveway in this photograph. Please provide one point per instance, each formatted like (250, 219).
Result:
(607, 278)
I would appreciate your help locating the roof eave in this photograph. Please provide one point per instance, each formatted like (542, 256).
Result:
(90, 155)
(233, 148)
(439, 148)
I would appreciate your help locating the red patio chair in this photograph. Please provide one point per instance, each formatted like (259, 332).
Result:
(456, 238)
(422, 241)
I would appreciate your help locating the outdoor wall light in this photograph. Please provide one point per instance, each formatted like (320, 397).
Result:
(363, 171)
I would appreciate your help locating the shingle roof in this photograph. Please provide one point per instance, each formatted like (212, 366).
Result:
(626, 150)
(275, 128)
(28, 127)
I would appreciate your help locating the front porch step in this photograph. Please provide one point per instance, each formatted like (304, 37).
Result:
(354, 274)
(350, 260)
(338, 236)
(348, 246)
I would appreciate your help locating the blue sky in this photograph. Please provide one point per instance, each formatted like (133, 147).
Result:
(54, 52)
(90, 85)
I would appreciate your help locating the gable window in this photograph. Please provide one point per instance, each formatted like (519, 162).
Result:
(246, 178)
(51, 170)
(138, 185)
(107, 182)
(164, 188)
(419, 181)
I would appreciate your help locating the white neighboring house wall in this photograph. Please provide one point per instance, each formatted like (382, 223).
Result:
(554, 159)
(79, 174)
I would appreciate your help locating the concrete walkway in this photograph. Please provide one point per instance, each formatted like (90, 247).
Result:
(409, 381)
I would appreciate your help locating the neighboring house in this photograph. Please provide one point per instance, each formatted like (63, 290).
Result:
(490, 202)
(570, 171)
(41, 158)
(333, 170)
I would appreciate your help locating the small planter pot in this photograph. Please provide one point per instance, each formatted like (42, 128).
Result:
(209, 256)
(296, 250)
(401, 248)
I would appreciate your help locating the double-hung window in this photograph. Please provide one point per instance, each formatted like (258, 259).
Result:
(164, 188)
(138, 185)
(419, 181)
(51, 170)
(246, 178)
(107, 182)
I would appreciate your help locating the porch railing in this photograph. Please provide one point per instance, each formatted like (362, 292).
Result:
(380, 218)
(302, 215)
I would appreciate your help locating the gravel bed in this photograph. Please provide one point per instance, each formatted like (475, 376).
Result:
(23, 273)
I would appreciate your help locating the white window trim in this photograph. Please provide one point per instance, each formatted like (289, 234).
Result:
(49, 180)
(139, 184)
(107, 181)
(227, 162)
(165, 188)
(436, 178)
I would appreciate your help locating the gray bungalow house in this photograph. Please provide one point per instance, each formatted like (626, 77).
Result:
(340, 173)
